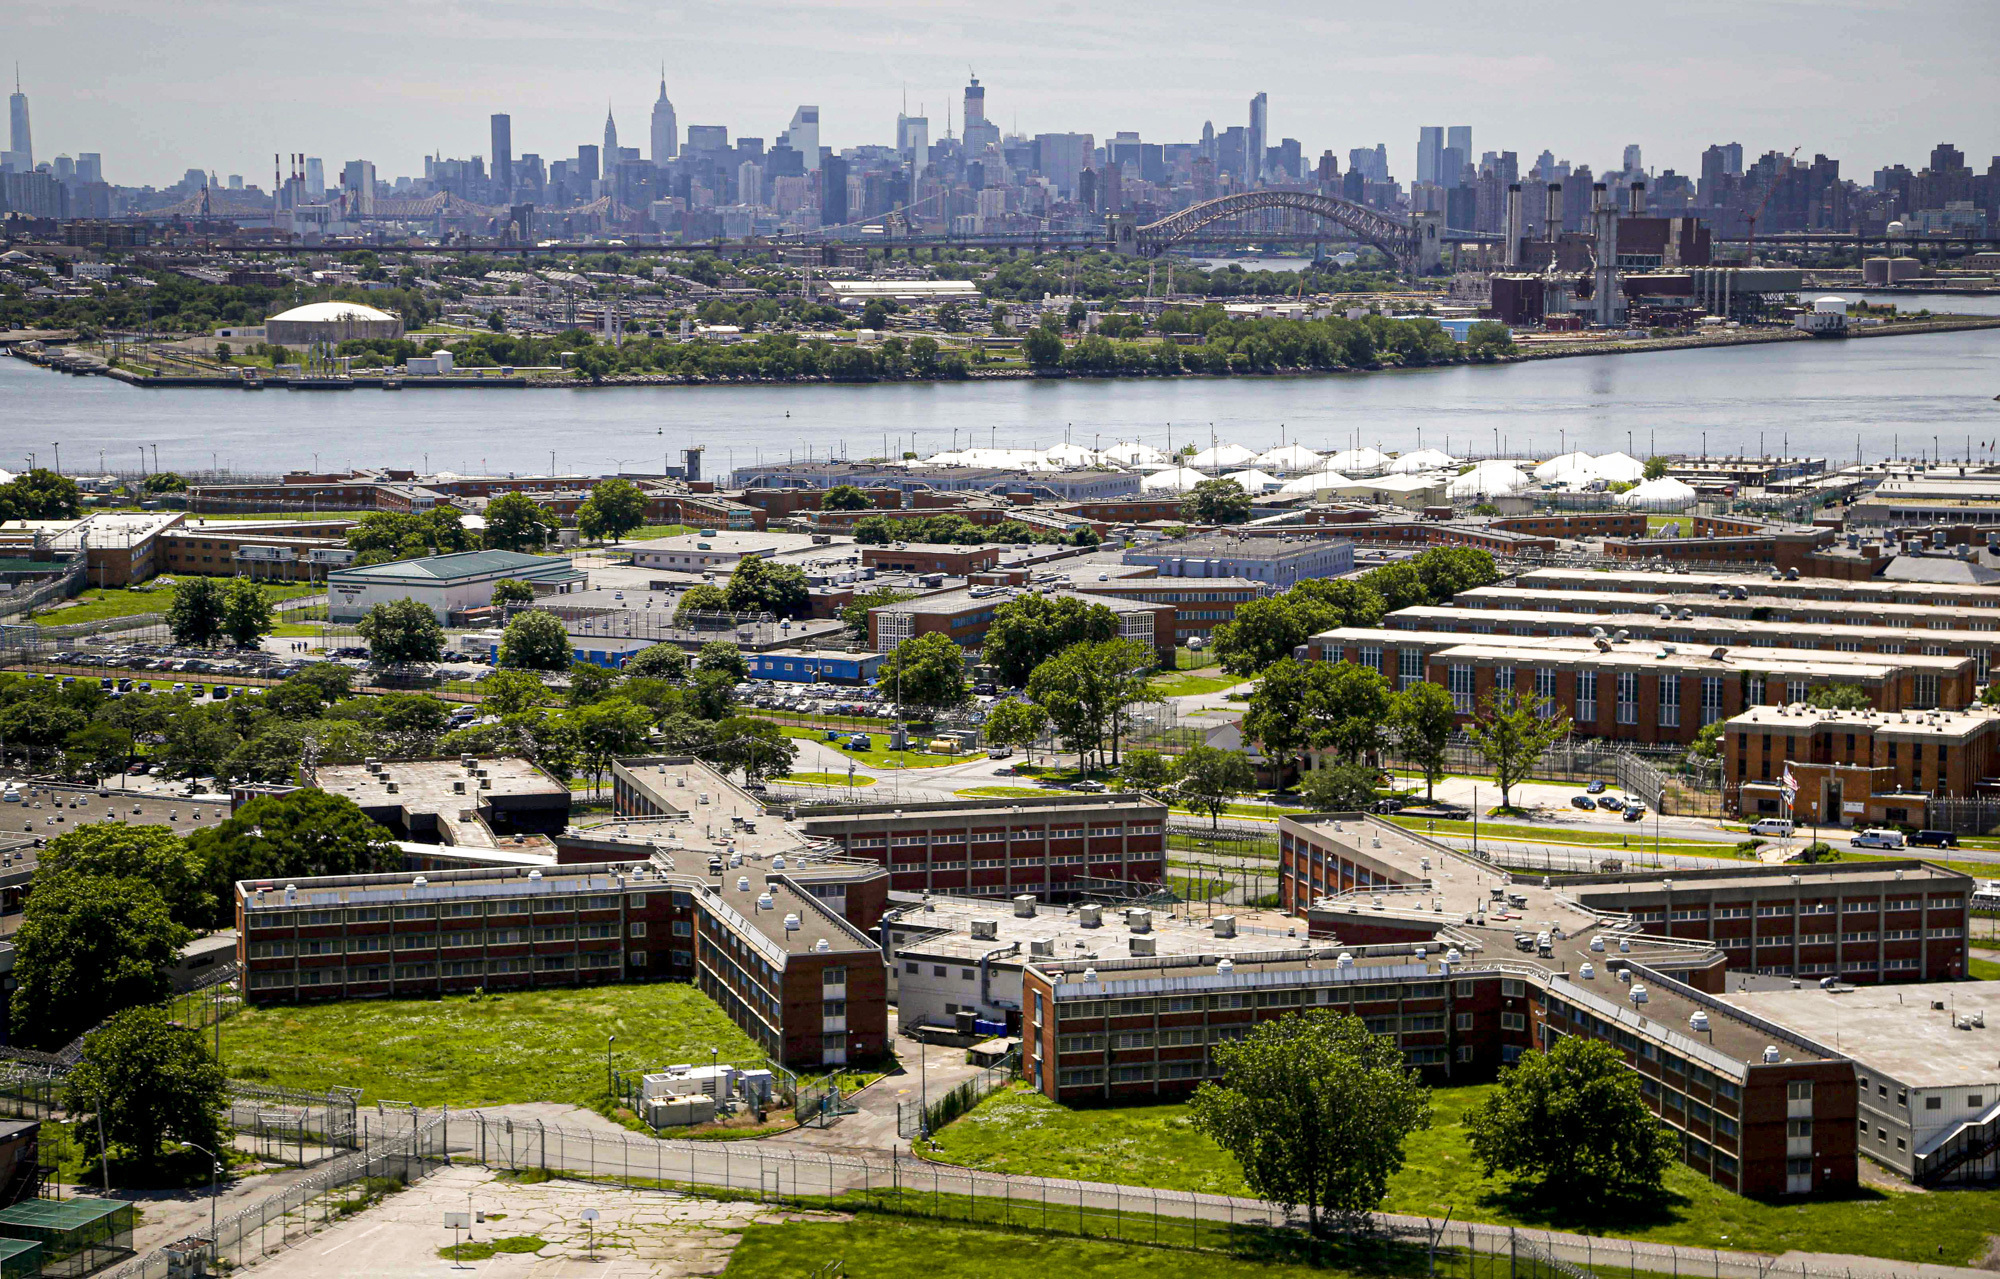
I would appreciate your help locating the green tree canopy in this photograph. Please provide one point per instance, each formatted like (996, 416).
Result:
(1572, 1123)
(844, 497)
(516, 522)
(512, 692)
(512, 590)
(536, 641)
(925, 671)
(403, 632)
(1087, 689)
(661, 661)
(759, 586)
(607, 729)
(380, 537)
(1208, 777)
(1340, 788)
(1839, 697)
(721, 655)
(1512, 731)
(1216, 502)
(1315, 1110)
(613, 509)
(195, 617)
(152, 854)
(700, 599)
(757, 746)
(1423, 720)
(1015, 724)
(89, 946)
(152, 1080)
(1043, 349)
(246, 612)
(286, 837)
(1030, 629)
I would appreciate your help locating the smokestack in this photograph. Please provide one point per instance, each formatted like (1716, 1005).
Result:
(1638, 199)
(1512, 227)
(1600, 196)
(1552, 218)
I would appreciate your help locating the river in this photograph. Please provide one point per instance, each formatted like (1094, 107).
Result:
(1865, 397)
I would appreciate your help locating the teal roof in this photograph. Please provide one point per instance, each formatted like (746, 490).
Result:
(464, 564)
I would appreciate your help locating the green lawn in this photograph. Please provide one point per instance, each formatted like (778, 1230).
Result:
(1181, 685)
(1000, 792)
(879, 754)
(882, 1247)
(1982, 969)
(1583, 837)
(541, 1045)
(826, 779)
(647, 533)
(99, 603)
(1020, 1131)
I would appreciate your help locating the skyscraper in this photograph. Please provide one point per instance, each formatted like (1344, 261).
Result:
(832, 190)
(980, 133)
(1430, 153)
(913, 139)
(315, 176)
(975, 103)
(1460, 136)
(20, 144)
(1260, 126)
(666, 130)
(803, 137)
(1632, 165)
(610, 152)
(503, 158)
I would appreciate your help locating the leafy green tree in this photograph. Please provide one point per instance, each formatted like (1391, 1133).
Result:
(89, 946)
(1512, 732)
(925, 671)
(1423, 720)
(757, 746)
(1030, 629)
(1216, 502)
(877, 530)
(516, 522)
(406, 724)
(536, 641)
(1488, 339)
(1656, 468)
(139, 715)
(714, 693)
(403, 632)
(1334, 602)
(1043, 349)
(1839, 697)
(1447, 570)
(1087, 689)
(198, 742)
(41, 494)
(512, 590)
(1271, 718)
(844, 497)
(246, 612)
(1399, 585)
(302, 834)
(151, 854)
(512, 692)
(661, 661)
(95, 750)
(196, 614)
(1573, 1124)
(151, 1080)
(875, 315)
(1347, 709)
(39, 723)
(1208, 777)
(721, 655)
(607, 729)
(1316, 1111)
(700, 599)
(759, 586)
(1262, 632)
(1340, 788)
(1015, 724)
(1145, 771)
(1707, 744)
(855, 615)
(589, 682)
(380, 537)
(613, 509)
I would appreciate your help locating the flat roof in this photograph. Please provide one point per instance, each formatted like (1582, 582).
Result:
(1802, 717)
(1236, 548)
(729, 541)
(465, 565)
(1894, 1028)
(973, 811)
(963, 599)
(813, 922)
(1779, 661)
(941, 927)
(1651, 623)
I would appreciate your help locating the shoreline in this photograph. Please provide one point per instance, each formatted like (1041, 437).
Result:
(65, 362)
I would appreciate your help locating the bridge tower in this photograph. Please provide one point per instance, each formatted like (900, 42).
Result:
(1429, 228)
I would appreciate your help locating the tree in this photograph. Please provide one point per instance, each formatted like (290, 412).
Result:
(926, 671)
(89, 946)
(700, 599)
(613, 509)
(844, 497)
(1272, 718)
(1656, 468)
(1345, 602)
(757, 746)
(1030, 629)
(1347, 709)
(1423, 719)
(1447, 570)
(95, 750)
(1016, 724)
(1043, 349)
(876, 530)
(407, 724)
(151, 1080)
(1146, 771)
(1488, 339)
(1216, 502)
(1315, 1110)
(714, 694)
(589, 682)
(661, 661)
(379, 537)
(875, 315)
(1263, 632)
(1707, 744)
(403, 632)
(535, 641)
(1087, 690)
(512, 590)
(41, 494)
(1340, 788)
(246, 612)
(511, 692)
(1573, 1123)
(1839, 697)
(608, 729)
(197, 742)
(151, 854)
(1208, 777)
(759, 586)
(1399, 585)
(515, 522)
(301, 834)
(721, 655)
(196, 615)
(1512, 731)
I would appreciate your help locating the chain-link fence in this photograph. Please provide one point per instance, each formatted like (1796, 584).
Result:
(918, 1118)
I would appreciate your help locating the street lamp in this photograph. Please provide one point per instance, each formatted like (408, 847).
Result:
(214, 1177)
(608, 1041)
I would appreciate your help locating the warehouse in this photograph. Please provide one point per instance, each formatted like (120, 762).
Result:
(444, 583)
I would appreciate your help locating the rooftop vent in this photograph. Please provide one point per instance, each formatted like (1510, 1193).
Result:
(1145, 945)
(1225, 965)
(791, 923)
(1638, 994)
(1089, 916)
(1698, 1021)
(742, 883)
(1089, 976)
(1041, 946)
(822, 946)
(1024, 906)
(1223, 925)
(985, 929)
(1770, 1054)
(766, 902)
(534, 876)
(1588, 972)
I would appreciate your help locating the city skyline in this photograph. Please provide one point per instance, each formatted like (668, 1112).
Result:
(1756, 75)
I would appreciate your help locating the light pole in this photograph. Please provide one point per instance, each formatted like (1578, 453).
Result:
(214, 1178)
(608, 1041)
(57, 446)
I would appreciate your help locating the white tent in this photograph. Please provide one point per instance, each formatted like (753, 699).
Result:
(1361, 459)
(1253, 481)
(1620, 468)
(1315, 482)
(1489, 479)
(1658, 495)
(1563, 465)
(1071, 455)
(1421, 460)
(1221, 456)
(1133, 453)
(1178, 480)
(1290, 457)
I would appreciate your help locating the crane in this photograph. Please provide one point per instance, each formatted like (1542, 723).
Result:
(1750, 250)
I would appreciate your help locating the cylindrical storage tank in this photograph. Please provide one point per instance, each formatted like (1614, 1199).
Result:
(1830, 306)
(1875, 271)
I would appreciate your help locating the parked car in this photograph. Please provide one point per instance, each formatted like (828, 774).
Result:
(1878, 838)
(1636, 813)
(1000, 752)
(1779, 826)
(1596, 787)
(1089, 787)
(1610, 803)
(1935, 839)
(1584, 802)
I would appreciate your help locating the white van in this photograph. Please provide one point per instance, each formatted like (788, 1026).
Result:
(1779, 826)
(1876, 839)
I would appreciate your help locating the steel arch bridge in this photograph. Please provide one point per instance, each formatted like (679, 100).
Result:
(1413, 244)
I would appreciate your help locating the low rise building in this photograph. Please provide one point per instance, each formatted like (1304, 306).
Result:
(921, 557)
(1274, 561)
(713, 549)
(965, 615)
(1861, 768)
(444, 583)
(473, 801)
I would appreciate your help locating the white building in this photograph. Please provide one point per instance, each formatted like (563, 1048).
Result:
(693, 552)
(444, 583)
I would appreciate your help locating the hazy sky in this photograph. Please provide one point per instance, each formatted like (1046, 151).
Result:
(224, 84)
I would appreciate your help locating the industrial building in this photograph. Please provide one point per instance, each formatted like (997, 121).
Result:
(965, 615)
(330, 323)
(443, 583)
(1275, 562)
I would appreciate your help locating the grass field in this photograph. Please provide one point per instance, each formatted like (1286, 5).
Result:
(651, 531)
(1185, 685)
(99, 603)
(826, 779)
(1020, 1131)
(1000, 792)
(878, 1247)
(879, 756)
(541, 1045)
(1554, 834)
(1982, 969)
